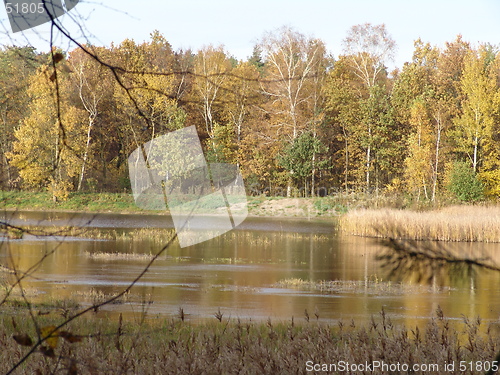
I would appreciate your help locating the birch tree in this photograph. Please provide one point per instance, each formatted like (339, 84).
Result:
(291, 60)
(368, 47)
(241, 100)
(479, 86)
(211, 73)
(90, 81)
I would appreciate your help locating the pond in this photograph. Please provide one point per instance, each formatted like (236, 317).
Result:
(266, 268)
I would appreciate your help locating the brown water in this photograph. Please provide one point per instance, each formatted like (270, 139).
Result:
(239, 272)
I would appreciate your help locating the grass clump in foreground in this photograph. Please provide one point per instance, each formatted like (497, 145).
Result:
(219, 346)
(454, 223)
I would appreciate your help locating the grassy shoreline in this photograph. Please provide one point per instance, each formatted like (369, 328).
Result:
(124, 203)
(89, 202)
(221, 346)
(464, 223)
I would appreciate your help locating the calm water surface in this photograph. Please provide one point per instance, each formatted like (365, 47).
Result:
(240, 272)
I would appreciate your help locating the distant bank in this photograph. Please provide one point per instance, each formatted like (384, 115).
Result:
(124, 203)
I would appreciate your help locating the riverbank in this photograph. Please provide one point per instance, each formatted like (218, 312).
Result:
(358, 214)
(124, 203)
(90, 344)
(330, 206)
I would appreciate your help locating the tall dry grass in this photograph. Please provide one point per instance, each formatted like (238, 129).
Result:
(454, 223)
(221, 346)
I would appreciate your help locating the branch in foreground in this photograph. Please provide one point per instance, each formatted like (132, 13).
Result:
(426, 259)
(54, 330)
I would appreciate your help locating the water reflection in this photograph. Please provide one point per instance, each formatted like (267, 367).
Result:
(239, 272)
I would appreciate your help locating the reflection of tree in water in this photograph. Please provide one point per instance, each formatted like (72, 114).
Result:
(428, 262)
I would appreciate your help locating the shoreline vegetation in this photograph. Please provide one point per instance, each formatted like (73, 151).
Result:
(221, 345)
(123, 203)
(103, 343)
(355, 214)
(450, 224)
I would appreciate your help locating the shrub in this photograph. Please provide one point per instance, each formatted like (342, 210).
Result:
(464, 183)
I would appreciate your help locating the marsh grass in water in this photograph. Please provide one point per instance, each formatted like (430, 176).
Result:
(94, 296)
(373, 286)
(454, 223)
(92, 345)
(156, 235)
(102, 256)
(39, 303)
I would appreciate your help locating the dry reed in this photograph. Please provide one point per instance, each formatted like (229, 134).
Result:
(373, 286)
(455, 223)
(222, 346)
(102, 256)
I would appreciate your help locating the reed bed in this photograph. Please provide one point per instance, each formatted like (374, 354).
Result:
(373, 286)
(157, 235)
(454, 223)
(102, 256)
(222, 346)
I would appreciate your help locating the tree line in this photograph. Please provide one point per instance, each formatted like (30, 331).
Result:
(295, 119)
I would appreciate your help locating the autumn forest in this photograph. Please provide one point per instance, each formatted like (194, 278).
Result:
(296, 119)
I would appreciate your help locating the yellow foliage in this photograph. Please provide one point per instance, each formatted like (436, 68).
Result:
(417, 165)
(52, 338)
(492, 181)
(59, 189)
(395, 186)
(48, 147)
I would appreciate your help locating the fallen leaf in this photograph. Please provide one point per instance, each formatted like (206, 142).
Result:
(68, 336)
(23, 339)
(50, 335)
(49, 352)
